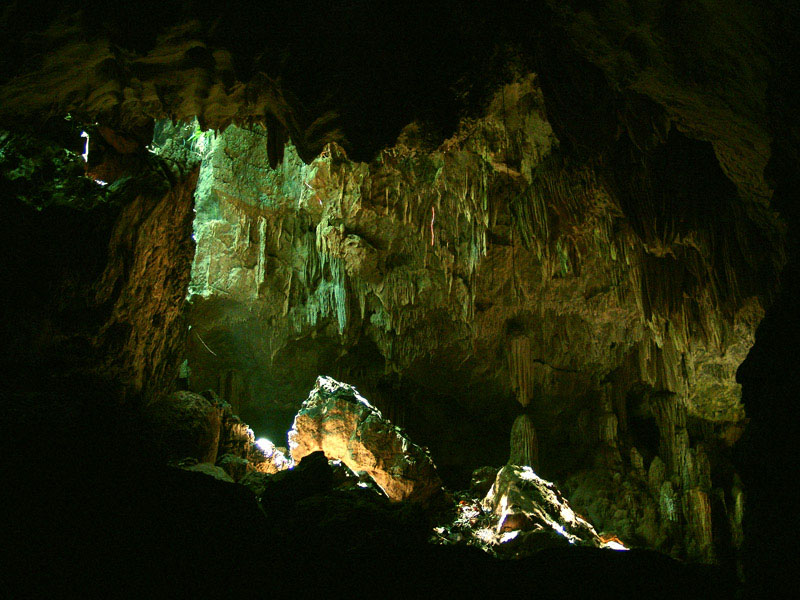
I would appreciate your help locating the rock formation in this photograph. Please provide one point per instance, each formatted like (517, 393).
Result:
(338, 421)
(524, 445)
(524, 501)
(188, 426)
(582, 208)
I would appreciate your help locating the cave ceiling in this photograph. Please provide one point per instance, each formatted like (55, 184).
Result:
(646, 97)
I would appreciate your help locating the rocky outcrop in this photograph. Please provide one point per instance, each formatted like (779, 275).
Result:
(108, 302)
(524, 501)
(187, 425)
(338, 421)
(520, 515)
(145, 281)
(200, 432)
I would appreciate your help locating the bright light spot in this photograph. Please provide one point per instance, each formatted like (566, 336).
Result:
(560, 529)
(485, 535)
(265, 445)
(362, 484)
(614, 546)
(508, 536)
(100, 182)
(612, 542)
(528, 475)
(85, 154)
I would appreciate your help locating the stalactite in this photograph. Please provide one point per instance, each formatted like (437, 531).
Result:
(262, 243)
(340, 293)
(520, 367)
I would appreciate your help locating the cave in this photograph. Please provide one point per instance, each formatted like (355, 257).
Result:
(305, 298)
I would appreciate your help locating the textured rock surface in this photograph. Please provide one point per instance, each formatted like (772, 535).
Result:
(524, 446)
(338, 421)
(188, 426)
(101, 272)
(211, 470)
(622, 273)
(523, 500)
(457, 279)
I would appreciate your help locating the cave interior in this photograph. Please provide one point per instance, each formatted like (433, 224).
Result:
(549, 247)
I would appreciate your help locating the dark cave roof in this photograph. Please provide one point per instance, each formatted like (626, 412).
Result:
(356, 72)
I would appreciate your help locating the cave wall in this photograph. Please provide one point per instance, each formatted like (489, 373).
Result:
(98, 274)
(453, 284)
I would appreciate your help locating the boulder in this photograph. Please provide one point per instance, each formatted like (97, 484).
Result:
(186, 424)
(211, 470)
(312, 477)
(239, 450)
(235, 466)
(340, 422)
(265, 457)
(524, 501)
(481, 480)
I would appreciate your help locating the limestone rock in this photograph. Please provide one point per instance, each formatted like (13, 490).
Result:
(607, 428)
(235, 466)
(656, 475)
(482, 479)
(523, 500)
(313, 476)
(265, 457)
(524, 444)
(211, 470)
(186, 424)
(241, 450)
(637, 460)
(697, 509)
(337, 420)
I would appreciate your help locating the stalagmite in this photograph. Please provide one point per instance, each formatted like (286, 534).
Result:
(524, 444)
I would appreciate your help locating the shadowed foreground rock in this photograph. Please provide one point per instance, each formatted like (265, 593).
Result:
(337, 420)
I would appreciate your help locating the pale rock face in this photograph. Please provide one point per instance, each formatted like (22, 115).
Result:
(340, 422)
(523, 500)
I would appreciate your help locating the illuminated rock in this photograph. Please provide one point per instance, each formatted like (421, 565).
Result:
(524, 501)
(241, 453)
(265, 457)
(337, 420)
